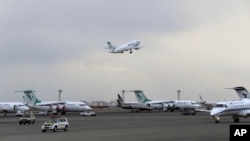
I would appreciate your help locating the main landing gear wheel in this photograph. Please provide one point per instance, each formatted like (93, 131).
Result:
(236, 120)
(217, 119)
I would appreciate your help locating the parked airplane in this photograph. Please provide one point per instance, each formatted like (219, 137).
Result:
(155, 104)
(125, 47)
(133, 106)
(236, 109)
(182, 105)
(241, 91)
(208, 105)
(13, 107)
(55, 107)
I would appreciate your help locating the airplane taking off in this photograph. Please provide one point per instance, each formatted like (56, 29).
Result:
(133, 106)
(13, 107)
(55, 107)
(236, 109)
(182, 105)
(125, 47)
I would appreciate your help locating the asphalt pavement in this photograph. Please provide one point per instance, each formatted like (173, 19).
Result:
(123, 126)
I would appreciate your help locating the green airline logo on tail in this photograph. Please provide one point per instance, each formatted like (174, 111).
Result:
(141, 97)
(30, 98)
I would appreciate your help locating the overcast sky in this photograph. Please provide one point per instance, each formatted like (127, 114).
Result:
(196, 46)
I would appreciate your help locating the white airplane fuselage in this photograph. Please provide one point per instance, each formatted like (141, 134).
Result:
(132, 105)
(76, 106)
(67, 106)
(12, 107)
(126, 47)
(232, 108)
(186, 105)
(158, 104)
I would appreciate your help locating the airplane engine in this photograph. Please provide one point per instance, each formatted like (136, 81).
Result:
(63, 108)
(136, 48)
(54, 109)
(165, 107)
(156, 106)
(58, 108)
(171, 107)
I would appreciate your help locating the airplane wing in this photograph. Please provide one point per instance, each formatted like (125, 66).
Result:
(202, 110)
(50, 103)
(135, 47)
(244, 113)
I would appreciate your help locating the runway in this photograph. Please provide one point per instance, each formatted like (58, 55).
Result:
(123, 126)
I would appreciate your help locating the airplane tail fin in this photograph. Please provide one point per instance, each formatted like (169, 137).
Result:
(110, 46)
(29, 98)
(242, 92)
(202, 100)
(120, 101)
(140, 96)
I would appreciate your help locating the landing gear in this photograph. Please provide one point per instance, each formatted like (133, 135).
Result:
(236, 119)
(217, 119)
(130, 51)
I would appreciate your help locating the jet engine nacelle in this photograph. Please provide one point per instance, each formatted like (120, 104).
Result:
(58, 108)
(171, 107)
(54, 109)
(165, 107)
(242, 114)
(62, 109)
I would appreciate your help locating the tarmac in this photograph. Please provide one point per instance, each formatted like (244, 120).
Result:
(121, 125)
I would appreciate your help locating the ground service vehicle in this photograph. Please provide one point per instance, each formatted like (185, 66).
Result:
(27, 118)
(88, 113)
(55, 124)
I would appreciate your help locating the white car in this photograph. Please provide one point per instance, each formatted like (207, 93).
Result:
(55, 124)
(88, 113)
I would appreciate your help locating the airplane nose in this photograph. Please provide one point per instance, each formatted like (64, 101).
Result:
(213, 112)
(88, 108)
(198, 106)
(24, 108)
(138, 42)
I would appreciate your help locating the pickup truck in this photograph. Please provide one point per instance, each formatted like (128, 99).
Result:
(27, 118)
